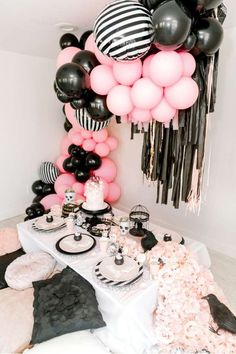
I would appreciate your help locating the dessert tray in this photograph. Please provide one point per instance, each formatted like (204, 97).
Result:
(118, 275)
(68, 245)
(41, 224)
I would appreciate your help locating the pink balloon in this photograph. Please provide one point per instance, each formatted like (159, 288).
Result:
(50, 200)
(89, 145)
(166, 68)
(105, 189)
(102, 79)
(60, 190)
(78, 139)
(59, 162)
(145, 94)
(107, 170)
(78, 188)
(66, 55)
(146, 65)
(163, 112)
(141, 115)
(66, 142)
(79, 198)
(189, 63)
(102, 149)
(114, 193)
(90, 43)
(126, 73)
(72, 133)
(86, 134)
(70, 114)
(112, 142)
(100, 136)
(183, 94)
(119, 100)
(64, 179)
(103, 59)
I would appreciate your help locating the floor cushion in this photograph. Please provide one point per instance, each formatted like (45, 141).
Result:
(16, 319)
(82, 342)
(63, 304)
(29, 268)
(9, 241)
(5, 260)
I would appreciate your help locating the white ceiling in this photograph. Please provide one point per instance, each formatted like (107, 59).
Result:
(28, 26)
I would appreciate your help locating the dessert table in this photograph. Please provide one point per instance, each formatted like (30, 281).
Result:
(127, 311)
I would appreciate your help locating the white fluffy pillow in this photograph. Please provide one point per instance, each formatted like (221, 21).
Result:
(29, 268)
(82, 342)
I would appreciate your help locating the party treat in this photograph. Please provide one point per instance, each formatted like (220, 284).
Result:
(94, 193)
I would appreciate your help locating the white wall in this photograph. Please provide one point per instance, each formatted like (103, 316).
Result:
(216, 224)
(31, 127)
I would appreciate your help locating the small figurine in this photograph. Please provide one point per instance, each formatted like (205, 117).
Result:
(69, 203)
(124, 226)
(119, 259)
(167, 238)
(77, 236)
(49, 218)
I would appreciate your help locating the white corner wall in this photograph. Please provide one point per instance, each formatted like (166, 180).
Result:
(216, 224)
(31, 127)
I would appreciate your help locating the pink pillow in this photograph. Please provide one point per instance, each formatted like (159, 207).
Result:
(16, 318)
(29, 268)
(9, 241)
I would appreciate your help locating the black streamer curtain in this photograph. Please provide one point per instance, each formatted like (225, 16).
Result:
(175, 158)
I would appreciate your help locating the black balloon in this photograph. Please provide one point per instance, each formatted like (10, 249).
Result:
(31, 212)
(81, 176)
(32, 215)
(37, 198)
(84, 38)
(97, 108)
(67, 165)
(201, 5)
(37, 187)
(93, 161)
(190, 42)
(77, 161)
(26, 218)
(86, 59)
(67, 125)
(210, 35)
(48, 189)
(72, 146)
(78, 103)
(78, 152)
(39, 209)
(71, 79)
(62, 97)
(172, 25)
(69, 40)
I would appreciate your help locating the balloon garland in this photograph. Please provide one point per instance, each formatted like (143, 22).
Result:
(153, 63)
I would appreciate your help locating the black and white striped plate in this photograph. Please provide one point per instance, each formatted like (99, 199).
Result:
(109, 279)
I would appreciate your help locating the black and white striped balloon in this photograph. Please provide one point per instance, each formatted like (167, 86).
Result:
(48, 172)
(124, 30)
(88, 123)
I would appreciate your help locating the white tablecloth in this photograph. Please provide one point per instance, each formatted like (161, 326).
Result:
(128, 311)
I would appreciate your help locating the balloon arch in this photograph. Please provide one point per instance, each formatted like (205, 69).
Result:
(152, 64)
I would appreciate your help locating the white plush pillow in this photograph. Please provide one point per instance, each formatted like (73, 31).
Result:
(29, 268)
(16, 319)
(82, 342)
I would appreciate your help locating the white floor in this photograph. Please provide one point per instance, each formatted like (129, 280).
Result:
(223, 267)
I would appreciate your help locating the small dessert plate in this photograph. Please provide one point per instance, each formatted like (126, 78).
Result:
(69, 245)
(110, 273)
